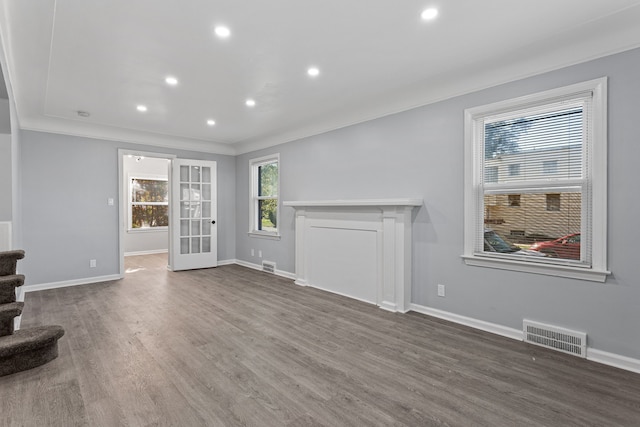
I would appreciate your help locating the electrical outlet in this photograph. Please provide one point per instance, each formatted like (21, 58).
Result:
(253, 252)
(92, 263)
(440, 290)
(259, 254)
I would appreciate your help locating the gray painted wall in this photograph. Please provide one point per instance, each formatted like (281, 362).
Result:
(5, 178)
(5, 160)
(5, 116)
(419, 153)
(66, 181)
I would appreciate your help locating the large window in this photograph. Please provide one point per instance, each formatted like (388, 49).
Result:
(148, 203)
(264, 196)
(557, 143)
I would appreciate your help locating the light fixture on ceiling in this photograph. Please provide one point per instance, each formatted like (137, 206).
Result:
(222, 31)
(313, 71)
(83, 114)
(211, 122)
(250, 103)
(429, 14)
(142, 108)
(171, 81)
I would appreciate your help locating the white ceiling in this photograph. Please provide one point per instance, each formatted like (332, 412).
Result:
(376, 57)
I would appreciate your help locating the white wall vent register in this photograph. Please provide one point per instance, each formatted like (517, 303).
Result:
(555, 338)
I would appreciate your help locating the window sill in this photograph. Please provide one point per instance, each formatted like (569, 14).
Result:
(262, 235)
(535, 268)
(147, 230)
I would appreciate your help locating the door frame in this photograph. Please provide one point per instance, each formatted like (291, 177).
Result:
(122, 221)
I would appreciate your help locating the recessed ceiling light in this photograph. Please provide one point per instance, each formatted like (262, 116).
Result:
(313, 71)
(211, 122)
(222, 31)
(141, 108)
(250, 103)
(429, 14)
(170, 80)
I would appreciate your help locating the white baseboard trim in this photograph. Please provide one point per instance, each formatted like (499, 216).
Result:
(281, 273)
(151, 252)
(612, 359)
(75, 282)
(494, 328)
(227, 262)
(594, 355)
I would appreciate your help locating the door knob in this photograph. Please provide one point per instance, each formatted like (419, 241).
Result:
(213, 222)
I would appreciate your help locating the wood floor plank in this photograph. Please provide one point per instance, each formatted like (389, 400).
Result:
(231, 346)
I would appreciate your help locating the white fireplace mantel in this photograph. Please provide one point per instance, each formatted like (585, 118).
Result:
(356, 248)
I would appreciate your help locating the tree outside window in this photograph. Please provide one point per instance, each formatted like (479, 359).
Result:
(149, 203)
(264, 195)
(268, 197)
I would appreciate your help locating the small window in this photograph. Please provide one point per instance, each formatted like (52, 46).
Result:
(550, 167)
(492, 174)
(553, 202)
(148, 203)
(554, 144)
(264, 196)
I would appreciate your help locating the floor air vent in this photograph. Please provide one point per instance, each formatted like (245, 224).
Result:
(269, 267)
(556, 338)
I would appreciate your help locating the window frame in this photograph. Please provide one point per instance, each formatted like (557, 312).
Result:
(131, 203)
(595, 180)
(254, 209)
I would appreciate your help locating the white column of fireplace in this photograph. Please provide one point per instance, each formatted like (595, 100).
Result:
(357, 248)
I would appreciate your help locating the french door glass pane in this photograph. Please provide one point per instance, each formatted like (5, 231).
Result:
(184, 191)
(195, 210)
(195, 227)
(206, 191)
(184, 227)
(195, 174)
(206, 244)
(195, 245)
(206, 227)
(206, 174)
(184, 209)
(195, 192)
(206, 209)
(184, 173)
(184, 245)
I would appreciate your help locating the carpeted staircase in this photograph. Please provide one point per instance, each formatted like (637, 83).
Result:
(26, 348)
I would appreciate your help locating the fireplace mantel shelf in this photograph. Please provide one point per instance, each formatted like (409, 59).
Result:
(355, 202)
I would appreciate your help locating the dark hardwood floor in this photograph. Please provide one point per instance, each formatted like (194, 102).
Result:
(231, 346)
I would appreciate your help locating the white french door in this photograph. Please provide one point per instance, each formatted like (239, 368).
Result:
(194, 232)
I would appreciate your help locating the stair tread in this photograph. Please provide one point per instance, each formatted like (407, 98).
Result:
(8, 285)
(28, 339)
(14, 280)
(10, 310)
(8, 261)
